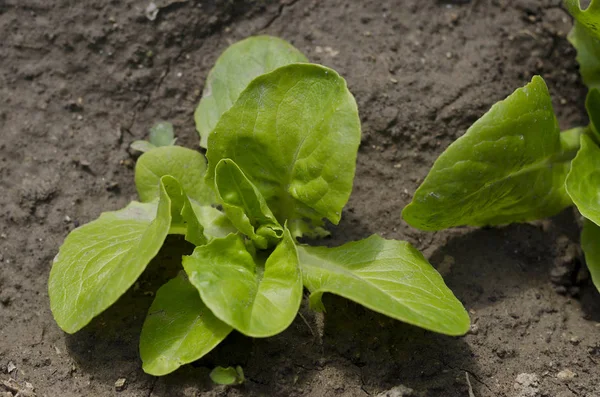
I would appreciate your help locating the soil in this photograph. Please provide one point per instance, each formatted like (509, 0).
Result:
(80, 80)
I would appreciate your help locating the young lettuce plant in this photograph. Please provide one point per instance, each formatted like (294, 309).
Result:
(515, 165)
(281, 158)
(161, 134)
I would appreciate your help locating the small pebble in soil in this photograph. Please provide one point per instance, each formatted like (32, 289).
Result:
(397, 391)
(566, 374)
(10, 367)
(120, 384)
(527, 385)
(575, 340)
(474, 330)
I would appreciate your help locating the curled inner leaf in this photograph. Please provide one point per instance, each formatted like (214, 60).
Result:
(245, 205)
(258, 299)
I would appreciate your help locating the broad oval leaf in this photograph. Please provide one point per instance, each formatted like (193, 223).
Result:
(257, 300)
(295, 133)
(387, 276)
(233, 71)
(185, 165)
(178, 329)
(99, 261)
(510, 166)
(583, 182)
(245, 206)
(590, 243)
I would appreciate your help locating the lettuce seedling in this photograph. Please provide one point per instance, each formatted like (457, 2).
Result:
(161, 134)
(515, 165)
(281, 159)
(227, 376)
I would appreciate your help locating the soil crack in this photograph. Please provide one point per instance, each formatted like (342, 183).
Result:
(277, 15)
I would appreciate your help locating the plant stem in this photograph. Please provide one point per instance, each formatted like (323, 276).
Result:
(178, 229)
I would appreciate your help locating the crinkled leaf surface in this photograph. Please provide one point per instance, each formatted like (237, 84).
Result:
(585, 37)
(99, 261)
(590, 243)
(186, 165)
(234, 70)
(295, 133)
(510, 166)
(245, 206)
(583, 182)
(257, 300)
(162, 134)
(179, 328)
(589, 17)
(387, 276)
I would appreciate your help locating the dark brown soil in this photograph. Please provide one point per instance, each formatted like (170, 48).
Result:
(80, 80)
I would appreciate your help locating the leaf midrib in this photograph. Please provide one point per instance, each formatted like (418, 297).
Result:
(329, 266)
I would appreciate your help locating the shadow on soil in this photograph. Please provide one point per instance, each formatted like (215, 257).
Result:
(349, 349)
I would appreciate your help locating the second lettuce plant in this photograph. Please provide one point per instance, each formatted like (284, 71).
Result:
(515, 165)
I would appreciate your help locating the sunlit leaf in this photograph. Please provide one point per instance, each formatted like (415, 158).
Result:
(295, 133)
(510, 166)
(387, 276)
(233, 71)
(257, 298)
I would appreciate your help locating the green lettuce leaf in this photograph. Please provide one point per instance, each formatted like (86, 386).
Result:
(592, 104)
(162, 134)
(99, 261)
(183, 217)
(234, 70)
(589, 17)
(142, 146)
(583, 182)
(295, 133)
(227, 376)
(179, 329)
(510, 166)
(216, 224)
(387, 276)
(257, 300)
(590, 243)
(185, 165)
(245, 206)
(588, 54)
(585, 37)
